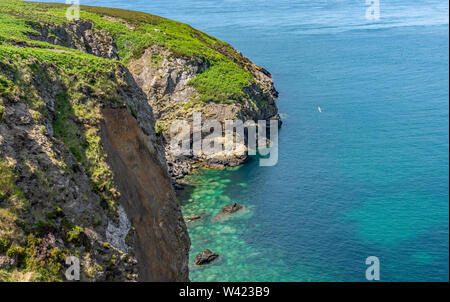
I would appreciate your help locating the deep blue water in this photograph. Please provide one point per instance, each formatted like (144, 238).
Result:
(367, 176)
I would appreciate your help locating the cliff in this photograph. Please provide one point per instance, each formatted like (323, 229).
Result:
(84, 113)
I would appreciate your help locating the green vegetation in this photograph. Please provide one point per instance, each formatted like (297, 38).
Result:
(7, 88)
(159, 128)
(74, 233)
(133, 110)
(224, 79)
(12, 238)
(2, 110)
(221, 83)
(133, 32)
(75, 118)
(57, 213)
(30, 267)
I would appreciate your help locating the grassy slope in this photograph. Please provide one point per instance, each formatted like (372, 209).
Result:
(222, 82)
(76, 125)
(12, 227)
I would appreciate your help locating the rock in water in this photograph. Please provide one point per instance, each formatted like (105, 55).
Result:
(205, 257)
(231, 208)
(194, 218)
(227, 210)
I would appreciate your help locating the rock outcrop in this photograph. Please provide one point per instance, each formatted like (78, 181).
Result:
(167, 85)
(194, 218)
(148, 198)
(227, 210)
(80, 35)
(231, 208)
(205, 257)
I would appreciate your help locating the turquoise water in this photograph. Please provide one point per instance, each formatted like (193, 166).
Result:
(367, 176)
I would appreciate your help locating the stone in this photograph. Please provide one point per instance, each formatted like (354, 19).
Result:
(231, 208)
(194, 218)
(205, 257)
(227, 210)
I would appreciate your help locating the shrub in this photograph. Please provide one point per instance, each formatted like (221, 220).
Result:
(4, 245)
(73, 234)
(2, 111)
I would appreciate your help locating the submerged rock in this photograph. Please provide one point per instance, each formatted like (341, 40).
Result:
(205, 257)
(231, 208)
(194, 218)
(228, 210)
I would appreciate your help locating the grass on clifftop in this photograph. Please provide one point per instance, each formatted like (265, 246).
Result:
(133, 32)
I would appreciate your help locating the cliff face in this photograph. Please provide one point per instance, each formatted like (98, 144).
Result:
(58, 195)
(168, 86)
(73, 169)
(83, 170)
(148, 198)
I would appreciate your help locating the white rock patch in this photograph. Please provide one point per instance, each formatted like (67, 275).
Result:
(116, 234)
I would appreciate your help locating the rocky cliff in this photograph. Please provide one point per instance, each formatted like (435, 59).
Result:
(84, 112)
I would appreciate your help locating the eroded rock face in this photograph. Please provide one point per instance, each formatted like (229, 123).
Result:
(148, 241)
(165, 80)
(79, 35)
(65, 211)
(205, 257)
(146, 193)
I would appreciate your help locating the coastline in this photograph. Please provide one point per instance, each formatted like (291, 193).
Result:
(90, 101)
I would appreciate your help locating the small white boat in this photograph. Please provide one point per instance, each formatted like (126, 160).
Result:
(320, 109)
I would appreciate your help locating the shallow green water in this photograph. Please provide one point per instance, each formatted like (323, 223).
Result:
(240, 260)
